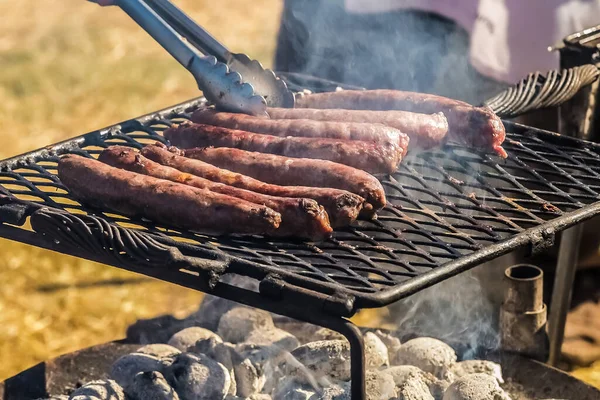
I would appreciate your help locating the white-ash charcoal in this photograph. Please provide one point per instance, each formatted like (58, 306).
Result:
(475, 387)
(401, 373)
(429, 354)
(298, 394)
(58, 397)
(327, 334)
(391, 342)
(273, 337)
(125, 368)
(289, 387)
(215, 349)
(379, 385)
(334, 392)
(238, 323)
(159, 350)
(151, 385)
(259, 396)
(322, 359)
(376, 353)
(223, 353)
(413, 388)
(105, 389)
(249, 378)
(468, 367)
(198, 377)
(306, 332)
(188, 337)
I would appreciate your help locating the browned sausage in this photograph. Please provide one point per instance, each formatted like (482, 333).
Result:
(368, 156)
(303, 218)
(332, 129)
(424, 130)
(282, 170)
(341, 206)
(163, 201)
(473, 126)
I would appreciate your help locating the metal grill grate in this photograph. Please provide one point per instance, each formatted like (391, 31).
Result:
(447, 207)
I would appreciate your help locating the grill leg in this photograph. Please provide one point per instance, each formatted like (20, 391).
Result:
(357, 355)
(566, 266)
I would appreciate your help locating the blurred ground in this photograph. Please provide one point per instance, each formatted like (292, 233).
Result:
(69, 67)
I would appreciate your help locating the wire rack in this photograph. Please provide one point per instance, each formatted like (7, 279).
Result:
(449, 209)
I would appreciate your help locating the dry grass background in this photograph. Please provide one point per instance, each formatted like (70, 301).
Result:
(68, 67)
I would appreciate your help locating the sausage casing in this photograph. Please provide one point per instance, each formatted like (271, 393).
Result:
(307, 127)
(281, 170)
(342, 206)
(473, 126)
(303, 218)
(424, 130)
(163, 201)
(368, 156)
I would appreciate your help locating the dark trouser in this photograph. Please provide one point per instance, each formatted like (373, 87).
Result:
(405, 50)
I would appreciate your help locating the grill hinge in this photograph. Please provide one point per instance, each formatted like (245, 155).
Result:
(337, 304)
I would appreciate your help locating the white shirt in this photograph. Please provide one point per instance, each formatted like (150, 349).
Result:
(509, 38)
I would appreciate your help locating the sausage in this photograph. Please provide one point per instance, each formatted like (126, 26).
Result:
(424, 130)
(332, 129)
(473, 126)
(341, 206)
(163, 201)
(303, 218)
(368, 156)
(282, 170)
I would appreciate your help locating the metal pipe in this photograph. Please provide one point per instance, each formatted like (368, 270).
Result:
(525, 289)
(523, 313)
(566, 267)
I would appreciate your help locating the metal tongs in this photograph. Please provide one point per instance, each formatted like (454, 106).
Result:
(233, 82)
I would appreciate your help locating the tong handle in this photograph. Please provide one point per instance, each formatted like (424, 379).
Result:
(220, 86)
(166, 36)
(194, 33)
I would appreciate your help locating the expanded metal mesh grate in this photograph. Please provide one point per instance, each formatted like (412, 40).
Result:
(443, 204)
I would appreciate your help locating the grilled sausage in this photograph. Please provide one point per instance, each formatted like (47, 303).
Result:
(341, 206)
(303, 218)
(368, 156)
(332, 129)
(473, 126)
(282, 170)
(424, 130)
(163, 201)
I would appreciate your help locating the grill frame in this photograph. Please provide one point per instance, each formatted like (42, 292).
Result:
(275, 281)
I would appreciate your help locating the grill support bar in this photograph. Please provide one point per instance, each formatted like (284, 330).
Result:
(566, 267)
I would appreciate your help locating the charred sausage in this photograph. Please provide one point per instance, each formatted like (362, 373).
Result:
(473, 126)
(282, 170)
(163, 201)
(424, 130)
(303, 218)
(324, 128)
(342, 206)
(368, 156)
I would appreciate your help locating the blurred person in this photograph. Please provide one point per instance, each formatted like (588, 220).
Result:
(464, 49)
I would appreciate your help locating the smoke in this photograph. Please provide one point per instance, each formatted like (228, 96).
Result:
(458, 311)
(404, 49)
